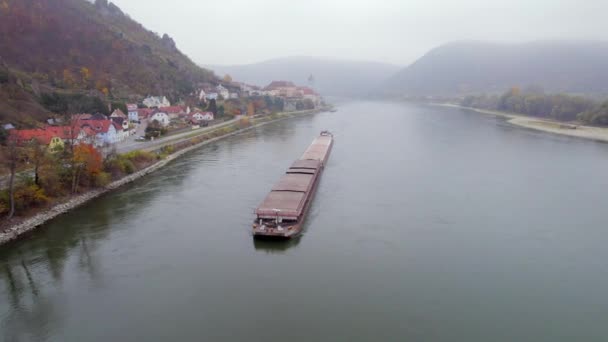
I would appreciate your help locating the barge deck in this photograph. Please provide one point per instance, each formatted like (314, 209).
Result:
(282, 213)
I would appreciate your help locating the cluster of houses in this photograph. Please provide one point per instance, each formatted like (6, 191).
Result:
(284, 89)
(220, 92)
(159, 109)
(292, 94)
(95, 129)
(101, 130)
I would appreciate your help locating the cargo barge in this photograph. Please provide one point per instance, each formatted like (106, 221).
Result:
(281, 214)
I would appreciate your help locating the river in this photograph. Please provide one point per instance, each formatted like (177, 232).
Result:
(430, 224)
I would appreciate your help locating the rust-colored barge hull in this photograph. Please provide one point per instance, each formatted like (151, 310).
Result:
(282, 213)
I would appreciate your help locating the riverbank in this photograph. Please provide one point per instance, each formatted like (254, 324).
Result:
(572, 130)
(180, 147)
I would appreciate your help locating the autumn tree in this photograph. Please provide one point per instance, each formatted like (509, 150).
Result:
(36, 154)
(68, 78)
(227, 78)
(85, 74)
(88, 160)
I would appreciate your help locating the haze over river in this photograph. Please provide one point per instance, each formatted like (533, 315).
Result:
(430, 224)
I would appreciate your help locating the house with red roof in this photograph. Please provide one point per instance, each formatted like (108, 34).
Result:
(310, 94)
(117, 113)
(105, 131)
(144, 113)
(282, 88)
(175, 111)
(44, 136)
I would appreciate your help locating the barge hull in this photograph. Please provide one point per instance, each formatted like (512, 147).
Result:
(282, 213)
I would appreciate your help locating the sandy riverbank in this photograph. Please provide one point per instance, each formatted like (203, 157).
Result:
(21, 228)
(572, 130)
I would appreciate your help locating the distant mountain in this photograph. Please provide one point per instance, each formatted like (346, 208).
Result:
(331, 76)
(92, 49)
(471, 67)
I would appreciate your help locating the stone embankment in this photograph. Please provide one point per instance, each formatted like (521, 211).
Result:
(28, 225)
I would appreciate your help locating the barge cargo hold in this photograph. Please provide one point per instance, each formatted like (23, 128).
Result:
(281, 214)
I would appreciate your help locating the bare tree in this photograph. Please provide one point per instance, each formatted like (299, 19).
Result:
(10, 160)
(36, 154)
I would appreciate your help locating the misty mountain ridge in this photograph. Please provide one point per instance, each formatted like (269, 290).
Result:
(467, 67)
(332, 76)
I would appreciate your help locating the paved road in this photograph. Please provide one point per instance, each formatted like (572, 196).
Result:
(131, 144)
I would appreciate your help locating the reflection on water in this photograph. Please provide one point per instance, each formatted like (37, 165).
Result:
(437, 225)
(275, 246)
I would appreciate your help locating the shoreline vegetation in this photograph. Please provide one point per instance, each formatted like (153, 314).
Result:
(18, 227)
(544, 125)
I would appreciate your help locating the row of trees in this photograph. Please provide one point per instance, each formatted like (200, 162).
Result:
(37, 174)
(535, 102)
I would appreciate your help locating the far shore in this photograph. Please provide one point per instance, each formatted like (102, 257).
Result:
(26, 225)
(550, 126)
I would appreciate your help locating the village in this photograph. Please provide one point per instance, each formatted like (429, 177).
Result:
(156, 116)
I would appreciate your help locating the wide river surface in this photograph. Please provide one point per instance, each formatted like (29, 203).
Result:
(430, 224)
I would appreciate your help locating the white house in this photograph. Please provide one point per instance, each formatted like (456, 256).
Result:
(122, 128)
(133, 114)
(202, 116)
(212, 96)
(156, 101)
(223, 91)
(104, 130)
(234, 96)
(161, 117)
(202, 95)
(86, 135)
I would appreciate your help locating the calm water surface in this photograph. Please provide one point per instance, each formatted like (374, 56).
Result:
(430, 224)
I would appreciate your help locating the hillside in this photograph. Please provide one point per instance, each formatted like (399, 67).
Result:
(471, 67)
(331, 76)
(74, 46)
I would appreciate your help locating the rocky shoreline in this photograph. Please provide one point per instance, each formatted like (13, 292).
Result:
(15, 232)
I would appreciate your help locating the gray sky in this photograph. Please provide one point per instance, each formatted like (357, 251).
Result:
(393, 31)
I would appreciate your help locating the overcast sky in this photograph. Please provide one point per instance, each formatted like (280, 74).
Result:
(393, 31)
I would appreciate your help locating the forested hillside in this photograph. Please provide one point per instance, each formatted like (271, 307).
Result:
(63, 47)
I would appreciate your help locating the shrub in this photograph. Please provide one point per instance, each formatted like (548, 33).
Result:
(29, 196)
(167, 149)
(102, 179)
(128, 167)
(3, 208)
(139, 156)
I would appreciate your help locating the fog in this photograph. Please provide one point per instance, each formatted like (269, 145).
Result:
(393, 31)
